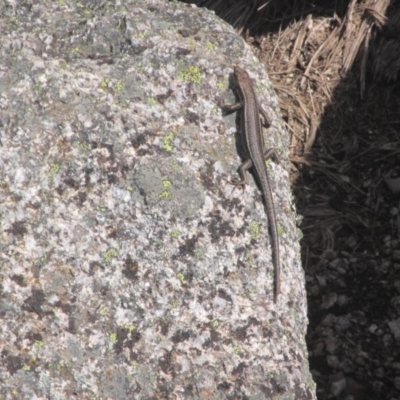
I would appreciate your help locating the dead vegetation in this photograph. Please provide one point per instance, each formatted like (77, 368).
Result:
(309, 59)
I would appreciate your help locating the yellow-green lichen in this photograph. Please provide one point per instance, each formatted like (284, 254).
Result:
(104, 310)
(191, 74)
(221, 85)
(166, 184)
(101, 208)
(118, 86)
(104, 83)
(130, 328)
(237, 349)
(113, 338)
(254, 229)
(215, 323)
(175, 304)
(280, 229)
(75, 50)
(268, 162)
(168, 141)
(175, 233)
(210, 46)
(109, 255)
(26, 367)
(55, 168)
(191, 42)
(165, 194)
(181, 277)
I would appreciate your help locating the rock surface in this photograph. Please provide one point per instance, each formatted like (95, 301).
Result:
(130, 266)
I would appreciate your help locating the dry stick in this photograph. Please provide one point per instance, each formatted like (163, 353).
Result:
(325, 87)
(261, 7)
(313, 127)
(276, 44)
(299, 42)
(286, 72)
(296, 98)
(315, 30)
(352, 52)
(376, 12)
(300, 63)
(331, 45)
(315, 56)
(312, 101)
(335, 48)
(283, 51)
(349, 17)
(298, 159)
(327, 92)
(314, 78)
(313, 133)
(333, 51)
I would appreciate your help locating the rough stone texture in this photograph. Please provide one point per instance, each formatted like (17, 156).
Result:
(130, 266)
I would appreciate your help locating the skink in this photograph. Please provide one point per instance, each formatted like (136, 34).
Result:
(252, 138)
